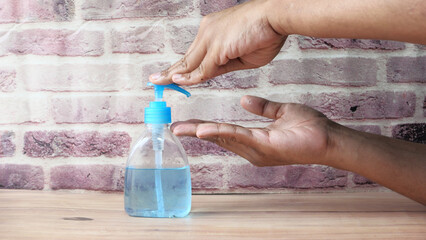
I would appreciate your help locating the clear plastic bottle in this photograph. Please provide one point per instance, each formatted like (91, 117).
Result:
(157, 179)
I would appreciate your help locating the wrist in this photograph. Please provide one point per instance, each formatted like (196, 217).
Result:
(278, 14)
(342, 148)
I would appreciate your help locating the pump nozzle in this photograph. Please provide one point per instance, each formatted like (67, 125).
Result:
(159, 89)
(158, 112)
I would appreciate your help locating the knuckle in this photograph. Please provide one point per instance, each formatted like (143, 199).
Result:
(202, 72)
(219, 127)
(222, 127)
(166, 72)
(265, 107)
(223, 59)
(184, 62)
(220, 141)
(280, 111)
(283, 109)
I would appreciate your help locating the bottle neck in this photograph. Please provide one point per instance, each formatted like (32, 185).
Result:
(152, 125)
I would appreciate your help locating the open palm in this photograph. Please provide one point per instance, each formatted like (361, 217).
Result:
(299, 134)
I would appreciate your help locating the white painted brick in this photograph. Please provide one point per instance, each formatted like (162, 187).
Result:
(79, 77)
(23, 109)
(99, 109)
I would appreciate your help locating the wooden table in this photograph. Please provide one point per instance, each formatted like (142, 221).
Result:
(94, 215)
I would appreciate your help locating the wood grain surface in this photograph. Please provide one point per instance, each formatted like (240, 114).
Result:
(94, 215)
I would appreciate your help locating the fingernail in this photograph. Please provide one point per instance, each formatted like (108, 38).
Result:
(178, 77)
(155, 76)
(175, 131)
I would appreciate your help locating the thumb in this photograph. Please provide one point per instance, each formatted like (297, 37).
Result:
(262, 107)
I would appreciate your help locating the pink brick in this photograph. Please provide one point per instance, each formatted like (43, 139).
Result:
(406, 69)
(364, 105)
(413, 132)
(330, 43)
(182, 37)
(211, 6)
(207, 176)
(366, 128)
(53, 42)
(21, 176)
(48, 144)
(297, 176)
(336, 72)
(7, 80)
(361, 180)
(209, 107)
(90, 177)
(36, 11)
(99, 109)
(240, 79)
(141, 40)
(249, 176)
(112, 9)
(7, 146)
(78, 77)
(196, 147)
(315, 177)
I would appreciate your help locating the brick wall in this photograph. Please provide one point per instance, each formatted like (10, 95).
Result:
(73, 80)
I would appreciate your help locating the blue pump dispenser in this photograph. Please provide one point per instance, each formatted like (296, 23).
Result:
(158, 112)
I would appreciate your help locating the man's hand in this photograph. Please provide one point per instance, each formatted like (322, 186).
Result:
(302, 135)
(237, 38)
(298, 135)
(250, 35)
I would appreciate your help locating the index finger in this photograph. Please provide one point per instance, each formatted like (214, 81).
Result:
(192, 60)
(206, 130)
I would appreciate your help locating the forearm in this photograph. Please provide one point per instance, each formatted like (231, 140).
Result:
(395, 164)
(369, 19)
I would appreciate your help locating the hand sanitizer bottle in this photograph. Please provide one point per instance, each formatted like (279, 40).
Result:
(157, 179)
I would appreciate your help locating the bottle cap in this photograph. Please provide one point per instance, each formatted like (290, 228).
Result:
(158, 112)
